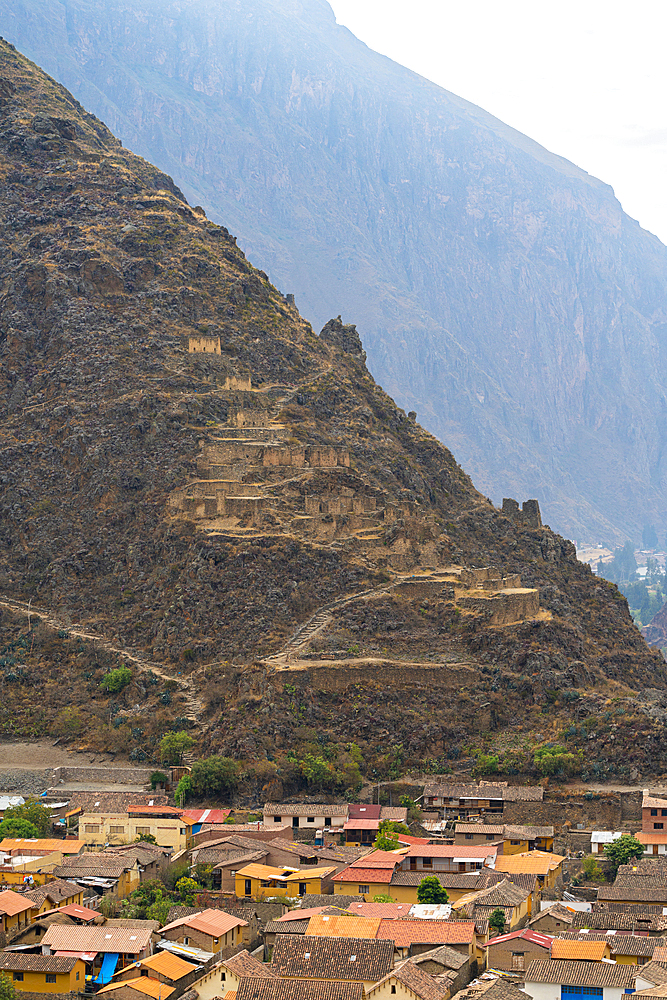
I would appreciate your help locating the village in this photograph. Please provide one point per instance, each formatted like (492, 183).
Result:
(445, 896)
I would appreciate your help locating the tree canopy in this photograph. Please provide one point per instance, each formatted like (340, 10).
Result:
(430, 890)
(497, 920)
(34, 812)
(174, 745)
(214, 776)
(18, 828)
(621, 851)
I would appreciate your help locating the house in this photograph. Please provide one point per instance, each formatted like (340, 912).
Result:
(411, 937)
(651, 975)
(342, 925)
(515, 951)
(363, 823)
(16, 911)
(210, 930)
(642, 883)
(224, 865)
(655, 842)
(654, 813)
(35, 847)
(464, 801)
(227, 975)
(137, 989)
(261, 881)
(600, 839)
(169, 826)
(492, 989)
(565, 980)
(161, 967)
(636, 919)
(208, 817)
(332, 958)
(513, 839)
(445, 961)
(107, 873)
(55, 894)
(434, 858)
(578, 950)
(294, 989)
(109, 946)
(151, 859)
(43, 974)
(546, 866)
(554, 919)
(309, 817)
(626, 949)
(370, 875)
(408, 980)
(514, 901)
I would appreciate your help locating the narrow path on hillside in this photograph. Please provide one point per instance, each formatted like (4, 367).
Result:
(193, 704)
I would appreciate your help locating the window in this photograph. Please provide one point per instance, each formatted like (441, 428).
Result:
(578, 991)
(311, 819)
(518, 960)
(393, 989)
(223, 977)
(469, 836)
(427, 862)
(489, 836)
(277, 819)
(327, 820)
(663, 812)
(363, 890)
(143, 829)
(116, 829)
(658, 826)
(248, 887)
(92, 828)
(514, 842)
(183, 831)
(654, 812)
(77, 975)
(186, 940)
(50, 977)
(18, 977)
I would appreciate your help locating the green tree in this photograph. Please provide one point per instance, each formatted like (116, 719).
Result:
(158, 778)
(385, 842)
(7, 989)
(174, 745)
(35, 813)
(214, 776)
(146, 838)
(592, 870)
(18, 828)
(183, 790)
(497, 921)
(430, 890)
(187, 888)
(116, 680)
(622, 851)
(383, 898)
(414, 812)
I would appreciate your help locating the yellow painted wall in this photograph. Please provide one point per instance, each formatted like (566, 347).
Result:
(259, 891)
(35, 982)
(519, 848)
(98, 829)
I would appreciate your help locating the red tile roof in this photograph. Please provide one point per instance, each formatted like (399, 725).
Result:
(407, 932)
(364, 875)
(379, 859)
(451, 851)
(391, 911)
(12, 903)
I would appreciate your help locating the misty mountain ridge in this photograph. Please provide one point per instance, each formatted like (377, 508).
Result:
(500, 291)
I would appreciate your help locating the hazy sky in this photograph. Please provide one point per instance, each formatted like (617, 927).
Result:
(585, 78)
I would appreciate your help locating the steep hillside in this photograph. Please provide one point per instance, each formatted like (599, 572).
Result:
(195, 485)
(502, 293)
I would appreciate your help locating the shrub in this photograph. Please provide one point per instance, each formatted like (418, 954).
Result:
(35, 813)
(174, 745)
(214, 776)
(18, 828)
(621, 851)
(116, 680)
(497, 921)
(592, 870)
(158, 778)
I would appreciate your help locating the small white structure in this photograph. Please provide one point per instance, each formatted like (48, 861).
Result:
(600, 839)
(431, 911)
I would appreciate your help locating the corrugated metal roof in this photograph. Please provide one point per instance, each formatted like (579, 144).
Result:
(580, 950)
(41, 846)
(69, 937)
(543, 940)
(168, 965)
(528, 862)
(142, 984)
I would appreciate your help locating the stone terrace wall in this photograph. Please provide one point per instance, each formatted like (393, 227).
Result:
(104, 775)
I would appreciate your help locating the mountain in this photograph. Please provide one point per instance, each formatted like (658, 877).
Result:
(197, 488)
(501, 291)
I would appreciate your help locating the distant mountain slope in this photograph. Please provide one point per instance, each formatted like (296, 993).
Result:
(501, 291)
(195, 486)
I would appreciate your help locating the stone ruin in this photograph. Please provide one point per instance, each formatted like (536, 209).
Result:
(528, 515)
(203, 344)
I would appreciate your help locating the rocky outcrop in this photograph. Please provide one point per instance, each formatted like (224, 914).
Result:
(501, 291)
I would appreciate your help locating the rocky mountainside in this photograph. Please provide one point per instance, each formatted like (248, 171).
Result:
(195, 485)
(501, 291)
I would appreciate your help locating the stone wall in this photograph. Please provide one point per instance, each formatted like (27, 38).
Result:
(204, 345)
(505, 607)
(528, 516)
(104, 775)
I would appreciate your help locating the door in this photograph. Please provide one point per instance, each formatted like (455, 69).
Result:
(248, 887)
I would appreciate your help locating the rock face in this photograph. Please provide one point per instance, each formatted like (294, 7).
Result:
(195, 485)
(501, 291)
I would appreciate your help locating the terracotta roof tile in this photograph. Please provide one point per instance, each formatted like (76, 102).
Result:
(604, 920)
(243, 964)
(409, 931)
(18, 961)
(343, 901)
(334, 925)
(419, 983)
(580, 974)
(291, 927)
(295, 989)
(653, 972)
(315, 957)
(363, 876)
(12, 902)
(391, 911)
(304, 809)
(68, 937)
